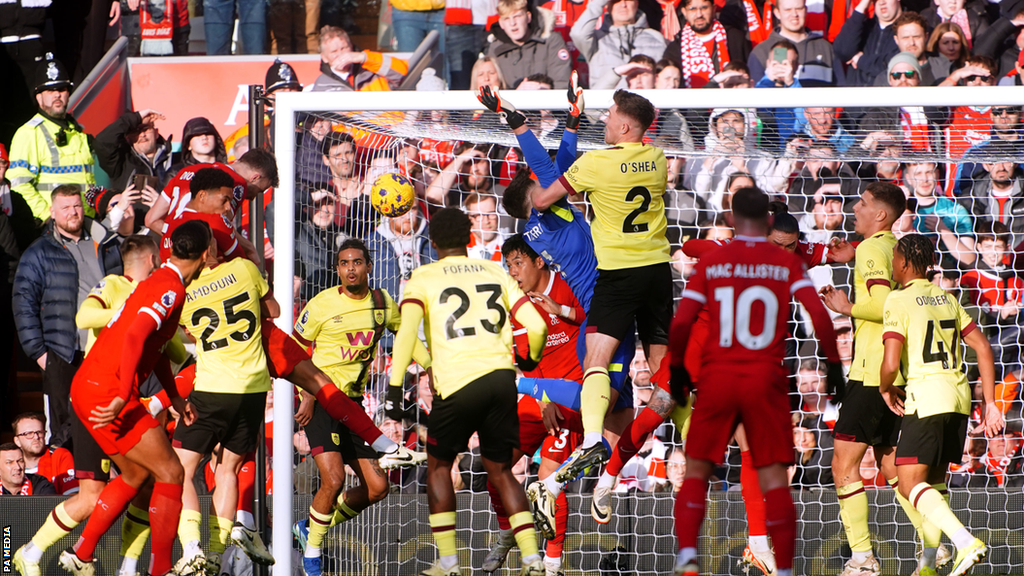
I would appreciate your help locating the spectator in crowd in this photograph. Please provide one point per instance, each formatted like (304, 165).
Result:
(468, 172)
(399, 245)
(338, 151)
(910, 32)
(485, 241)
(844, 341)
(815, 63)
(822, 125)
(33, 173)
(998, 295)
(915, 126)
(525, 43)
(1004, 463)
(675, 468)
(865, 44)
(10, 253)
(637, 74)
(342, 68)
(132, 146)
(487, 72)
(309, 158)
(806, 473)
(115, 210)
(622, 34)
(948, 40)
(1004, 38)
(13, 479)
(780, 73)
(413, 19)
(129, 16)
(940, 217)
(705, 45)
(219, 23)
(998, 196)
(55, 275)
(53, 463)
(667, 75)
(286, 26)
(200, 144)
(820, 163)
(970, 125)
(970, 17)
(464, 34)
(733, 143)
(317, 237)
(826, 218)
(1006, 127)
(977, 71)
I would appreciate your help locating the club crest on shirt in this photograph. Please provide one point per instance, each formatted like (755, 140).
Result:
(336, 438)
(378, 316)
(239, 193)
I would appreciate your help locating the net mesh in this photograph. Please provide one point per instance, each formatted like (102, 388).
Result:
(961, 168)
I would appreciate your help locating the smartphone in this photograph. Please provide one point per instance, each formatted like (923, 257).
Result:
(779, 54)
(141, 180)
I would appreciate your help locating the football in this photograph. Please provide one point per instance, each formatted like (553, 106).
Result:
(392, 195)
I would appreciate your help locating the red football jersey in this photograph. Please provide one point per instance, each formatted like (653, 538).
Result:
(560, 359)
(161, 297)
(812, 253)
(991, 291)
(58, 466)
(223, 233)
(177, 193)
(968, 127)
(746, 287)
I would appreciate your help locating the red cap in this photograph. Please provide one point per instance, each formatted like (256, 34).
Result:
(3, 154)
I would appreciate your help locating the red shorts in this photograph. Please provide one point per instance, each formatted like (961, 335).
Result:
(121, 435)
(283, 352)
(533, 434)
(759, 398)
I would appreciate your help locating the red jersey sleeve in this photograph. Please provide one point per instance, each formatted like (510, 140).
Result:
(812, 253)
(224, 233)
(697, 247)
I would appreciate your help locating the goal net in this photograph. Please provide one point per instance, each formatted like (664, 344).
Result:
(957, 153)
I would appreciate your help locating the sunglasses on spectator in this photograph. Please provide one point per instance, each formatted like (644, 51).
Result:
(974, 77)
(1005, 111)
(909, 74)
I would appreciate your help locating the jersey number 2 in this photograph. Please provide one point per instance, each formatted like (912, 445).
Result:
(734, 316)
(451, 332)
(629, 226)
(231, 316)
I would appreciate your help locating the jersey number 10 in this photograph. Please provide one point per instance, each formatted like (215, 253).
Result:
(734, 316)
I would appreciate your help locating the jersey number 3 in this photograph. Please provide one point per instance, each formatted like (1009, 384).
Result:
(451, 332)
(231, 316)
(734, 316)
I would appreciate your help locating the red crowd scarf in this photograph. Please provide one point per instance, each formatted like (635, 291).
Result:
(156, 17)
(914, 125)
(698, 64)
(760, 26)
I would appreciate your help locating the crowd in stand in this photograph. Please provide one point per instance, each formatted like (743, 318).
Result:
(962, 167)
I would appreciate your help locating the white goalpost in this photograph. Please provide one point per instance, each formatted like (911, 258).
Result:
(384, 124)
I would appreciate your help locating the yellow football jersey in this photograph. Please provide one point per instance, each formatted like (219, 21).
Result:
(873, 265)
(626, 186)
(930, 323)
(466, 304)
(111, 293)
(222, 312)
(340, 329)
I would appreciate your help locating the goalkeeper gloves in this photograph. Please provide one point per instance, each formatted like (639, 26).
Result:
(575, 103)
(393, 403)
(836, 381)
(680, 385)
(493, 102)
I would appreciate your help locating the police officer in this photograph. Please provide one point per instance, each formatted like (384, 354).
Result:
(52, 148)
(21, 48)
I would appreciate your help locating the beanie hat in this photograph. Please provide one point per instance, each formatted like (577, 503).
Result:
(904, 58)
(429, 82)
(99, 200)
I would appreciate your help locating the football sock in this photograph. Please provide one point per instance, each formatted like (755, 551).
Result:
(936, 510)
(632, 439)
(220, 533)
(685, 555)
(930, 533)
(58, 525)
(129, 565)
(246, 519)
(690, 506)
(853, 511)
(342, 511)
(780, 519)
(607, 480)
(246, 489)
(188, 528)
(318, 525)
(351, 415)
(554, 486)
(134, 532)
(594, 404)
(442, 525)
(499, 508)
(164, 513)
(928, 557)
(526, 535)
(555, 545)
(680, 416)
(912, 513)
(113, 500)
(753, 499)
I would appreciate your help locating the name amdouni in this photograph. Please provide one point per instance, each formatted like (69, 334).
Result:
(207, 289)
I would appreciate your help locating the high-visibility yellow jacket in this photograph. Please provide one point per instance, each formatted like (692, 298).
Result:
(38, 164)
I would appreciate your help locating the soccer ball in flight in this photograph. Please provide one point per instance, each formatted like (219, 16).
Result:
(392, 195)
